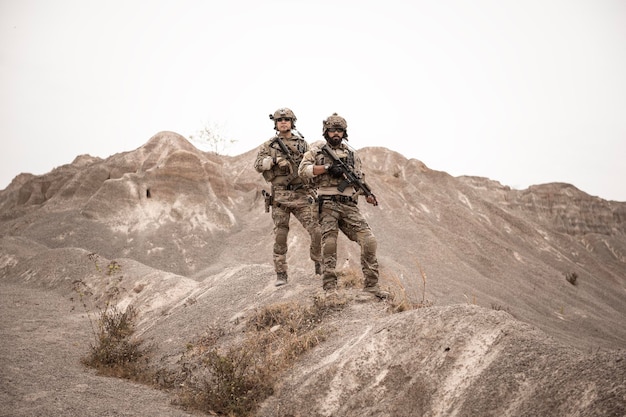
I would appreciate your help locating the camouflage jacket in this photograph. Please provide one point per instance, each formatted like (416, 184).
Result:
(267, 158)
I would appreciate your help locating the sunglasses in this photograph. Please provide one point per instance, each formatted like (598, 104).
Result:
(335, 129)
(283, 119)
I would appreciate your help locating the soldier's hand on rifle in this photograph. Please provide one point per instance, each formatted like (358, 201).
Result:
(335, 171)
(282, 162)
(371, 199)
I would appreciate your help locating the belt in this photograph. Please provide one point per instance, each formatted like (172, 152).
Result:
(289, 187)
(337, 198)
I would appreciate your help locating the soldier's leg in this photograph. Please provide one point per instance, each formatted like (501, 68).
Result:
(280, 216)
(355, 227)
(369, 260)
(329, 226)
(308, 216)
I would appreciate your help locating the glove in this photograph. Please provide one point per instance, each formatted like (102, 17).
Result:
(335, 171)
(282, 162)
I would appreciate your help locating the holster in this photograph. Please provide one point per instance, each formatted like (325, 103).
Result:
(269, 200)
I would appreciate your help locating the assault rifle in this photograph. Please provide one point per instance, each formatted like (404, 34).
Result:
(350, 178)
(285, 149)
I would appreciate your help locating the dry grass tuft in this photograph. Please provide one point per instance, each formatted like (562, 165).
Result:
(399, 300)
(350, 278)
(234, 380)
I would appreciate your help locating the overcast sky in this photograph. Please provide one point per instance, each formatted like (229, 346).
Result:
(522, 92)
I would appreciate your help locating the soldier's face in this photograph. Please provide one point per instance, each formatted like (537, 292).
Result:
(335, 136)
(283, 124)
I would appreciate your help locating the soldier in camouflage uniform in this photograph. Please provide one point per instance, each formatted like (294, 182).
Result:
(290, 193)
(338, 210)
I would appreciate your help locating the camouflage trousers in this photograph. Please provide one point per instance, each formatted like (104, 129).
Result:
(335, 216)
(302, 206)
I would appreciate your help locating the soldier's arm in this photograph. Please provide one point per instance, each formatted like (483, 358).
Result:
(264, 159)
(305, 170)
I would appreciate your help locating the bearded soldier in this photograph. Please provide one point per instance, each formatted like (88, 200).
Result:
(278, 160)
(336, 171)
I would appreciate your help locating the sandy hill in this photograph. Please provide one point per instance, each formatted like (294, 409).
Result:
(185, 238)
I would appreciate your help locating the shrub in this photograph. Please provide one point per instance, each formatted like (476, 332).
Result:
(236, 380)
(115, 351)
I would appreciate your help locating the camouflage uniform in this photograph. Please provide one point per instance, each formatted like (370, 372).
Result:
(339, 211)
(291, 195)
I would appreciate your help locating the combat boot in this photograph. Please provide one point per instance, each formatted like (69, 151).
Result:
(318, 268)
(330, 291)
(281, 279)
(330, 286)
(329, 280)
(376, 292)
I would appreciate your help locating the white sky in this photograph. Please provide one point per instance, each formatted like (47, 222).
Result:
(522, 92)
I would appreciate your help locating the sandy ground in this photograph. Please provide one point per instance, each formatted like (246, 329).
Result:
(40, 371)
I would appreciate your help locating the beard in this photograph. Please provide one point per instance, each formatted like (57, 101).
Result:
(334, 141)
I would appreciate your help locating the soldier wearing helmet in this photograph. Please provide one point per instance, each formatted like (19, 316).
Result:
(283, 112)
(337, 122)
(338, 202)
(277, 160)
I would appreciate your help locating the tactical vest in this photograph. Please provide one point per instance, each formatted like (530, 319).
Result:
(286, 176)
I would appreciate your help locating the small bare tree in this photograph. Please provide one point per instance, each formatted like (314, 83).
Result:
(211, 138)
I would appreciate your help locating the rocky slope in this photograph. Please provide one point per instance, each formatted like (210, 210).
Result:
(506, 333)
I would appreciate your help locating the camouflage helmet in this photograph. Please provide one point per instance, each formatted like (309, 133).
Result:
(334, 120)
(284, 112)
